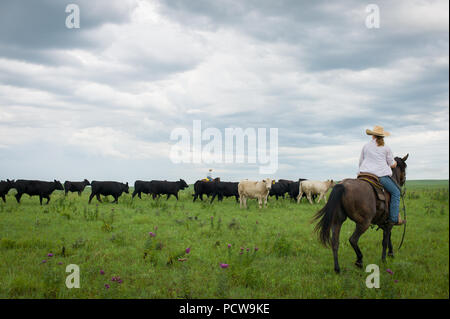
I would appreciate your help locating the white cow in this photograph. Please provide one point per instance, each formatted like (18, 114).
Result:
(253, 189)
(314, 188)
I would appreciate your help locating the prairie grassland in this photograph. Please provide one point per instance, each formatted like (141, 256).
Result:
(270, 253)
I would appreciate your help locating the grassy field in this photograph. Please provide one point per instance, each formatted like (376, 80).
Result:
(271, 253)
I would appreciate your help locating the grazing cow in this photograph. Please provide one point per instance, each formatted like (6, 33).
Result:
(5, 186)
(202, 187)
(114, 189)
(167, 188)
(77, 187)
(279, 189)
(252, 189)
(142, 187)
(225, 189)
(315, 188)
(36, 188)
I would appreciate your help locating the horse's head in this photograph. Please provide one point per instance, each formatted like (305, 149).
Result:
(399, 173)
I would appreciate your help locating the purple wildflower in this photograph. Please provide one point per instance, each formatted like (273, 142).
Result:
(389, 271)
(119, 281)
(107, 286)
(396, 281)
(102, 272)
(152, 234)
(256, 248)
(60, 263)
(50, 255)
(223, 265)
(44, 261)
(248, 249)
(229, 245)
(188, 250)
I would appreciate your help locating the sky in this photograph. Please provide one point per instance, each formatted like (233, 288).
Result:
(101, 101)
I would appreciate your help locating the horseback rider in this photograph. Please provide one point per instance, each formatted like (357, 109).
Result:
(209, 176)
(377, 159)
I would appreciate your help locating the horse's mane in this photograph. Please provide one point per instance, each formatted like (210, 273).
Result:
(400, 163)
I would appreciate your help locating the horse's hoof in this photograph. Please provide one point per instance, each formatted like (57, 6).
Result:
(391, 255)
(359, 264)
(337, 270)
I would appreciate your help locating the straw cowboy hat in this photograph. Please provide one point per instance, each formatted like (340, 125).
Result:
(378, 131)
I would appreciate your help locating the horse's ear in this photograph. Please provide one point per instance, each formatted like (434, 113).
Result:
(405, 158)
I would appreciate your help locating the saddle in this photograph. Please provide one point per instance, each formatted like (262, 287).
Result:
(383, 197)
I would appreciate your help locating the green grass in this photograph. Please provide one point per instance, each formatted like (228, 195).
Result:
(289, 262)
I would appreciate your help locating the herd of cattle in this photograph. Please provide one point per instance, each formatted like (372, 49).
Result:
(242, 190)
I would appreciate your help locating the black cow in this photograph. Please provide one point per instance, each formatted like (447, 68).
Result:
(142, 187)
(202, 187)
(279, 189)
(5, 186)
(36, 188)
(114, 189)
(225, 189)
(75, 186)
(294, 188)
(167, 188)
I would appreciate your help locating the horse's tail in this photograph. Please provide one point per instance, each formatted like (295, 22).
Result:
(327, 214)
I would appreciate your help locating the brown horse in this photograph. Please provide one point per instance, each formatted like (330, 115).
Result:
(356, 200)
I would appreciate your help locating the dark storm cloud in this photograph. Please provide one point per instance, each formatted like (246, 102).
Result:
(28, 28)
(325, 35)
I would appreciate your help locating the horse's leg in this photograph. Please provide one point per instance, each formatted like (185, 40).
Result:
(391, 250)
(336, 229)
(360, 229)
(385, 244)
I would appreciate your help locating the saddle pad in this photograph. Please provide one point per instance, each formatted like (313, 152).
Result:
(376, 185)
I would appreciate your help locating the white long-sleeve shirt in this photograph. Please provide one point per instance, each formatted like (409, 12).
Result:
(376, 159)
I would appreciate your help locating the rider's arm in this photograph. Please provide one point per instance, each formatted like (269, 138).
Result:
(390, 158)
(361, 157)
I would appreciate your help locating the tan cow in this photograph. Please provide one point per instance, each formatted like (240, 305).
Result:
(314, 188)
(252, 189)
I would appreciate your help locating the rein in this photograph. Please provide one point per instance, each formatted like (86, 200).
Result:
(403, 192)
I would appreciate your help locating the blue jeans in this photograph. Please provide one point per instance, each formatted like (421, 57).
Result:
(392, 188)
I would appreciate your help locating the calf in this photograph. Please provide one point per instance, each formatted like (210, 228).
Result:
(5, 186)
(252, 189)
(225, 189)
(114, 189)
(75, 187)
(167, 188)
(36, 188)
(314, 188)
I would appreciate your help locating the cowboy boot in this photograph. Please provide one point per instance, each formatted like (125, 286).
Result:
(400, 221)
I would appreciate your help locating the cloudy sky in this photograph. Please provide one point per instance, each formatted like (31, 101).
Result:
(101, 101)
